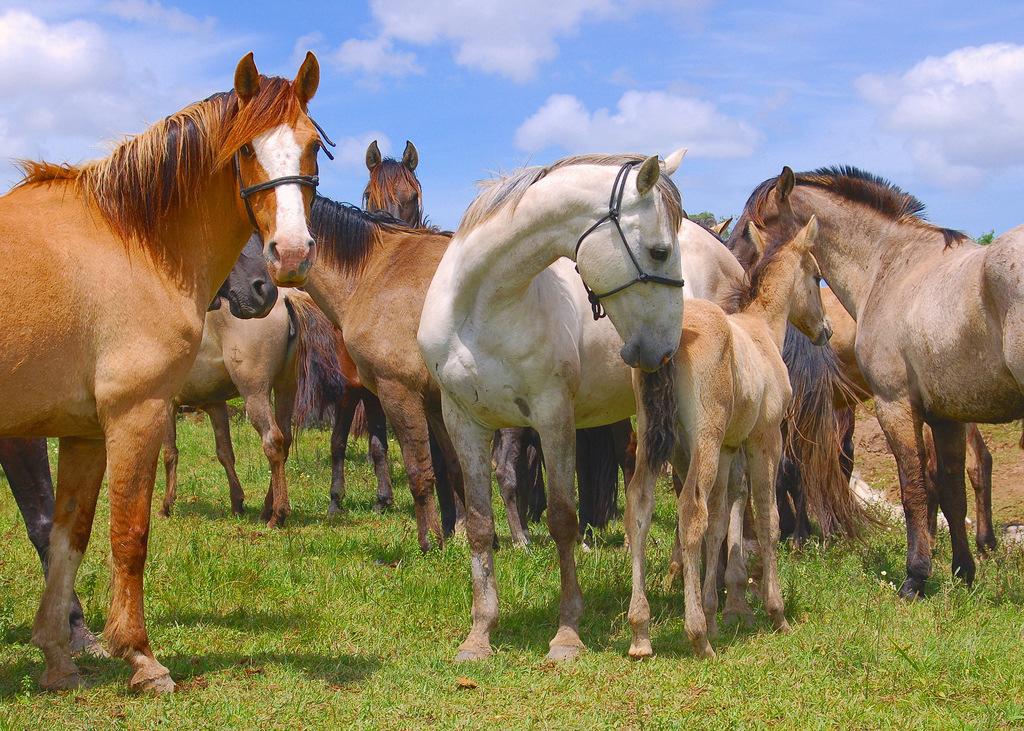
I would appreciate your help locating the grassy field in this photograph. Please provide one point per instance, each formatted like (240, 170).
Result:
(332, 623)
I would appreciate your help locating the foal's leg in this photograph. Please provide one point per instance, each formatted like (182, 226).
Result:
(692, 523)
(377, 428)
(284, 409)
(763, 452)
(508, 451)
(950, 446)
(902, 425)
(343, 413)
(639, 510)
(718, 527)
(221, 422)
(133, 445)
(261, 414)
(979, 469)
(170, 462)
(80, 467)
(408, 417)
(27, 466)
(736, 606)
(473, 444)
(558, 435)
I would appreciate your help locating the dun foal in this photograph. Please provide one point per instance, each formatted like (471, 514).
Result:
(700, 415)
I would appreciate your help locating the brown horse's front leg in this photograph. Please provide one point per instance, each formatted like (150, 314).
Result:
(950, 446)
(344, 411)
(221, 422)
(79, 475)
(377, 429)
(979, 469)
(133, 445)
(170, 462)
(902, 425)
(276, 507)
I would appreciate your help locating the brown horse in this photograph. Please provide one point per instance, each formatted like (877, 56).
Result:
(162, 219)
(394, 189)
(945, 365)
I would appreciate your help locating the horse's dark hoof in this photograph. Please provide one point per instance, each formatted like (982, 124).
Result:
(334, 509)
(382, 506)
(912, 589)
(965, 572)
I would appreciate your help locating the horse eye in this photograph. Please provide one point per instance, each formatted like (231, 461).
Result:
(247, 150)
(660, 253)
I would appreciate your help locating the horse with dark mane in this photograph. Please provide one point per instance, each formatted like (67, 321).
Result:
(941, 365)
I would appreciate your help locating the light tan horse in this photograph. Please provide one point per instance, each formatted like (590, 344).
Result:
(257, 359)
(725, 391)
(109, 267)
(940, 329)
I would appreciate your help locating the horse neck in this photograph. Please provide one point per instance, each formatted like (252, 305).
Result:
(501, 257)
(206, 237)
(851, 243)
(332, 285)
(773, 300)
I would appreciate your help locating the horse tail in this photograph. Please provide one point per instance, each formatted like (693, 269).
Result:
(597, 471)
(658, 395)
(319, 382)
(360, 427)
(812, 435)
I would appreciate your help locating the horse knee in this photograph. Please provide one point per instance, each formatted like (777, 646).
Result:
(273, 444)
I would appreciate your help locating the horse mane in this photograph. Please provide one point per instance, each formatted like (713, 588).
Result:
(505, 192)
(346, 234)
(740, 296)
(149, 176)
(858, 186)
(385, 178)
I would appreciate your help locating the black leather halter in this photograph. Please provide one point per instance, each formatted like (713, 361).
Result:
(614, 209)
(311, 181)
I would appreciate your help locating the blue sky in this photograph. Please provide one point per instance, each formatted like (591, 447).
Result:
(929, 94)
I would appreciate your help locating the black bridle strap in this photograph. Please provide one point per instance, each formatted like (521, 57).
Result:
(614, 210)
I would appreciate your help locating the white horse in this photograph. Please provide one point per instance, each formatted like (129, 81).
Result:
(507, 332)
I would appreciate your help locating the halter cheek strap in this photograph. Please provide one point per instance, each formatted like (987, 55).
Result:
(311, 181)
(614, 211)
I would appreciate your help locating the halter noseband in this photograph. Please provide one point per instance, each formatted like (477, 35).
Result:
(311, 181)
(614, 209)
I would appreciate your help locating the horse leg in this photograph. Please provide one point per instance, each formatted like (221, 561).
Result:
(714, 537)
(27, 467)
(692, 524)
(847, 421)
(675, 563)
(450, 516)
(261, 415)
(979, 470)
(377, 427)
(344, 410)
(950, 447)
(406, 413)
(473, 444)
(763, 452)
(220, 420)
(784, 488)
(284, 409)
(639, 511)
(508, 449)
(736, 607)
(902, 425)
(558, 435)
(170, 462)
(133, 445)
(80, 467)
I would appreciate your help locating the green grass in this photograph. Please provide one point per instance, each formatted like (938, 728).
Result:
(336, 623)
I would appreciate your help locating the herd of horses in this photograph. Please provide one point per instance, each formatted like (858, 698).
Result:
(570, 299)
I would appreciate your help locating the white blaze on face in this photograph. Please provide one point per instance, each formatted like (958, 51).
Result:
(279, 154)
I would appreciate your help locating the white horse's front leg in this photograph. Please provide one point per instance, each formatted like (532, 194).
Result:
(472, 442)
(558, 437)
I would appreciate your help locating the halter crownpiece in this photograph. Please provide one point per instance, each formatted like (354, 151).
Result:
(614, 209)
(311, 181)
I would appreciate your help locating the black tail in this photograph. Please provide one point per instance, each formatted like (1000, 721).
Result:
(658, 395)
(599, 453)
(319, 379)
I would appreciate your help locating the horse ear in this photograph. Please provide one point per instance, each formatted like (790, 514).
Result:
(786, 182)
(372, 156)
(410, 158)
(755, 238)
(648, 176)
(308, 79)
(671, 163)
(722, 226)
(247, 78)
(808, 234)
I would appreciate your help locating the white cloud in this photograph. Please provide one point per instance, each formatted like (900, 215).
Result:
(960, 115)
(643, 121)
(155, 13)
(351, 152)
(375, 58)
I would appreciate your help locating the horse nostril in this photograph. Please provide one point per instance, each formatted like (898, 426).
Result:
(260, 288)
(310, 243)
(272, 250)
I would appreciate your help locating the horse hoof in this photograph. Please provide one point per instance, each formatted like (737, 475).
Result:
(382, 506)
(60, 680)
(912, 589)
(164, 512)
(702, 648)
(473, 653)
(152, 678)
(641, 649)
(238, 510)
(745, 618)
(561, 653)
(782, 627)
(84, 642)
(712, 625)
